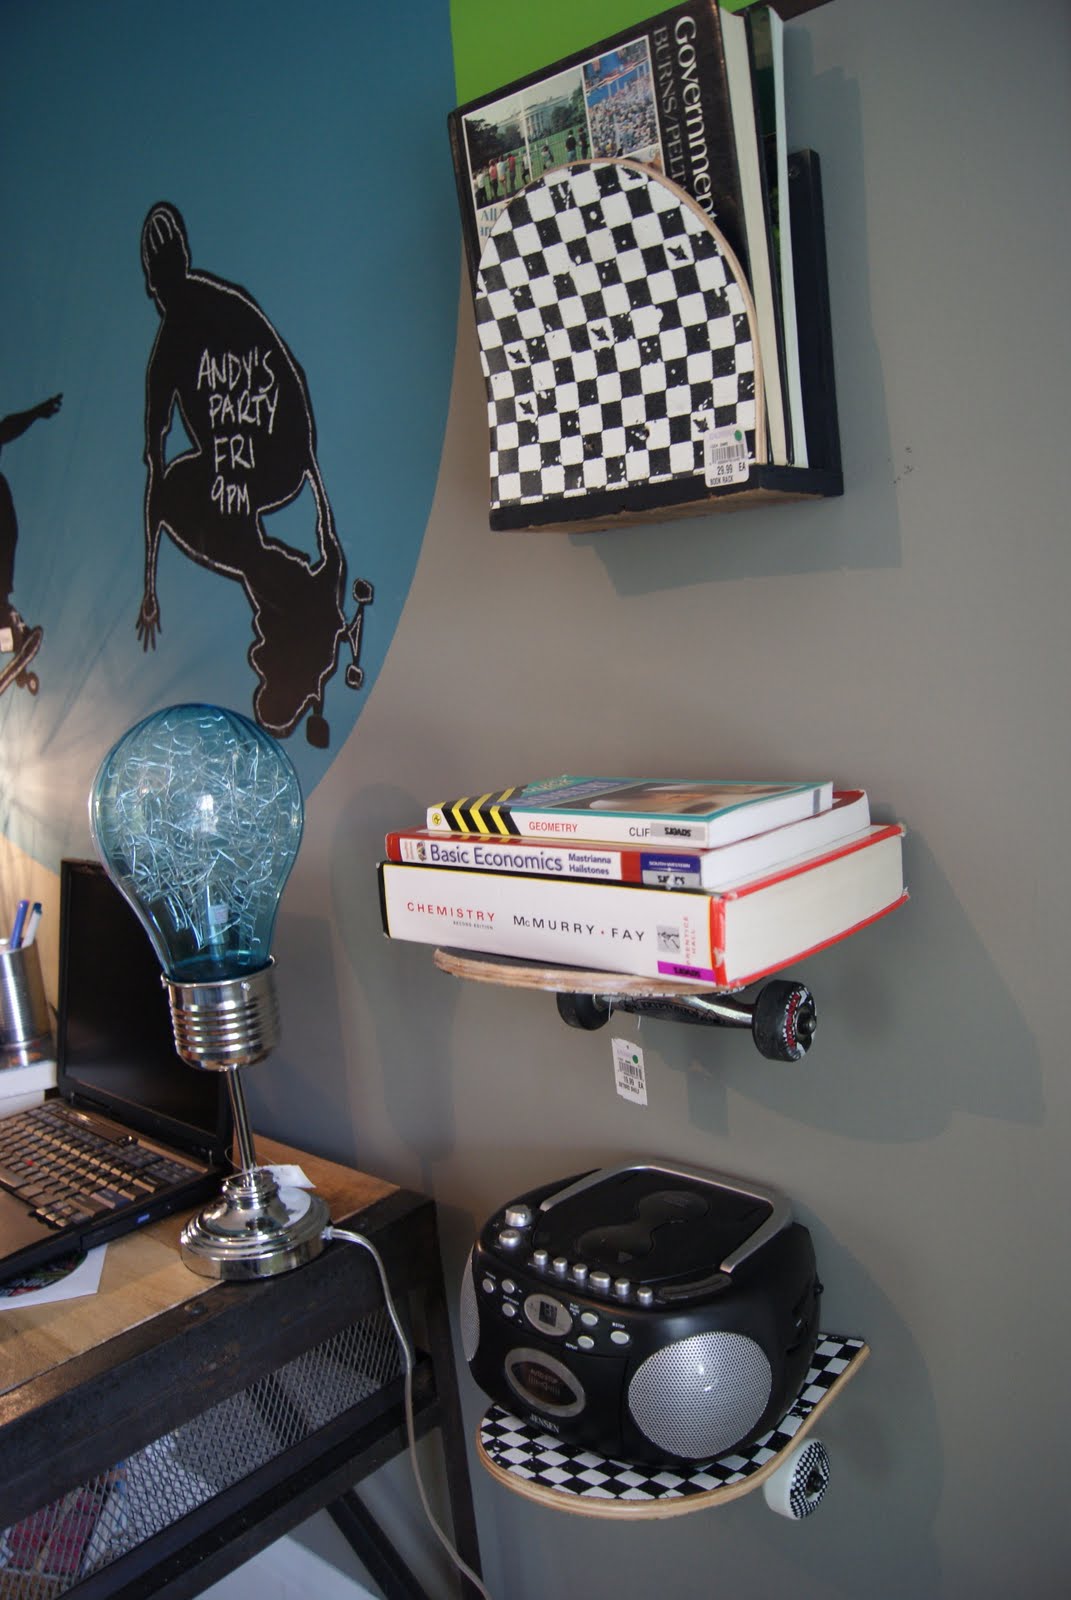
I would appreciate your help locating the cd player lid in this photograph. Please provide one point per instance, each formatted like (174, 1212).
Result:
(662, 1219)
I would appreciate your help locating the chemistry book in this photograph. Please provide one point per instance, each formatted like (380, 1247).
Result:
(728, 938)
(655, 93)
(697, 811)
(661, 867)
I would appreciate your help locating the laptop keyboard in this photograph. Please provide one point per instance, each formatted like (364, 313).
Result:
(68, 1170)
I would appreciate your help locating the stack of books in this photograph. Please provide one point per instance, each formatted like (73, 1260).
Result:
(696, 96)
(708, 881)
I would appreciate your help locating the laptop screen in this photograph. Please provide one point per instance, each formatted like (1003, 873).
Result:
(115, 1047)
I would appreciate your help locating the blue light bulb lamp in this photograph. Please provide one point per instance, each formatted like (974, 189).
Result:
(196, 814)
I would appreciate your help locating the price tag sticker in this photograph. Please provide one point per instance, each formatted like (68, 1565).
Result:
(725, 457)
(629, 1075)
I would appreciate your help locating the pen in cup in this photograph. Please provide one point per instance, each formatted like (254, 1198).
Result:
(19, 923)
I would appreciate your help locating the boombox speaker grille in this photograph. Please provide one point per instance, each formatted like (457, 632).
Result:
(469, 1312)
(701, 1396)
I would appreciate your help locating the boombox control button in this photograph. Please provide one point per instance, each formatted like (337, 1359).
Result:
(586, 1342)
(509, 1238)
(619, 1336)
(559, 1266)
(579, 1272)
(589, 1319)
(488, 1285)
(508, 1286)
(509, 1310)
(645, 1296)
(622, 1288)
(600, 1281)
(518, 1217)
(541, 1259)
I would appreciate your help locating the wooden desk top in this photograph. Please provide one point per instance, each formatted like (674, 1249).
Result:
(144, 1275)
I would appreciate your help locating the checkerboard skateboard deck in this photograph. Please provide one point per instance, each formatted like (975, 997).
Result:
(790, 1464)
(617, 335)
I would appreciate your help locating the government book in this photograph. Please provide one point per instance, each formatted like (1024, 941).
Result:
(728, 938)
(697, 811)
(661, 866)
(657, 93)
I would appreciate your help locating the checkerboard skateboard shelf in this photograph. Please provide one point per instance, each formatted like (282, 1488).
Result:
(616, 332)
(544, 1468)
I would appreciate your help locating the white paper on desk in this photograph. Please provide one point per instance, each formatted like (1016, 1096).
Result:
(84, 1279)
(289, 1177)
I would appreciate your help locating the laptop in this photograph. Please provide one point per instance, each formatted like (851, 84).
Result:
(133, 1131)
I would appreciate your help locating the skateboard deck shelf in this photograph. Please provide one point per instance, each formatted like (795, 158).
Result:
(782, 1017)
(789, 1462)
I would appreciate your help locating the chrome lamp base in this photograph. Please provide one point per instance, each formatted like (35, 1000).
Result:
(256, 1229)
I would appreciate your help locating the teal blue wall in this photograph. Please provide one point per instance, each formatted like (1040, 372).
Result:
(305, 147)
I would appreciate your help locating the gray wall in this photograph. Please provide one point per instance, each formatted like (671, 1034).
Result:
(911, 638)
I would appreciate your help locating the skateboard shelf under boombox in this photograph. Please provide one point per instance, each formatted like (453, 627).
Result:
(789, 1463)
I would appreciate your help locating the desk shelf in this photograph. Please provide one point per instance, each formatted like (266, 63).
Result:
(216, 1425)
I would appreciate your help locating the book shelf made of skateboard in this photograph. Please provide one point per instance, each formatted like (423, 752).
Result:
(620, 501)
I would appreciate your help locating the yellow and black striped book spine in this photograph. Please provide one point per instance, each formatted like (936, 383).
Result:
(487, 815)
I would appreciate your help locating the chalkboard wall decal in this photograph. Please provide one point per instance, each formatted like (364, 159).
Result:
(18, 642)
(243, 401)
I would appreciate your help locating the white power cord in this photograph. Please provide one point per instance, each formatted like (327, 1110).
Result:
(407, 1362)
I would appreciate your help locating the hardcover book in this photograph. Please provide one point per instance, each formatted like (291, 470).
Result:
(728, 939)
(660, 867)
(656, 93)
(698, 811)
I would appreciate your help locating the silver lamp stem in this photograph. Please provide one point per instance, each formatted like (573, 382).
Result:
(242, 1132)
(256, 1229)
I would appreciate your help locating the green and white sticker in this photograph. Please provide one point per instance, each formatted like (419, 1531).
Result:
(725, 457)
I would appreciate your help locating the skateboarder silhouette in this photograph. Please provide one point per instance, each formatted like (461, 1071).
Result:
(243, 401)
(15, 637)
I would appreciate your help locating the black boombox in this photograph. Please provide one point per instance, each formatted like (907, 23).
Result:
(649, 1312)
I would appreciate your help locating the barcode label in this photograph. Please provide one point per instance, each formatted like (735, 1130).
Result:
(725, 457)
(629, 1075)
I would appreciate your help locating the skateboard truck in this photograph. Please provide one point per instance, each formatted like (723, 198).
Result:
(317, 731)
(23, 644)
(782, 1017)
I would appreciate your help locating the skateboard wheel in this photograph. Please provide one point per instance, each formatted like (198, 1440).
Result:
(362, 591)
(354, 676)
(582, 1011)
(799, 1483)
(783, 1021)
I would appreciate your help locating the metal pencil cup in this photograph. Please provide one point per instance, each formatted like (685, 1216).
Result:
(25, 1028)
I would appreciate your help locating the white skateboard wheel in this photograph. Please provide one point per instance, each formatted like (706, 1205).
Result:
(799, 1483)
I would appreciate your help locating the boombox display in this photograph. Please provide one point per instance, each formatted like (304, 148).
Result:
(649, 1312)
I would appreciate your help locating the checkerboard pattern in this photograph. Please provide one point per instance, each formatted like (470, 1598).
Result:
(526, 1452)
(613, 337)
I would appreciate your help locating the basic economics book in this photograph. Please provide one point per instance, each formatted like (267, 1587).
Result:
(700, 811)
(727, 939)
(658, 866)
